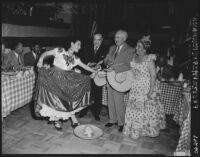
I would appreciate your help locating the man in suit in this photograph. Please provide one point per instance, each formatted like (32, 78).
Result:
(164, 70)
(14, 58)
(31, 57)
(118, 59)
(97, 53)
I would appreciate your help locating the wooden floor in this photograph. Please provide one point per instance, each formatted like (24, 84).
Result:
(23, 134)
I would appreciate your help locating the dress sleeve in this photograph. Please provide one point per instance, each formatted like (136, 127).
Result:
(76, 61)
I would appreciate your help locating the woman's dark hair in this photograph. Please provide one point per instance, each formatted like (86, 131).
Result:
(68, 42)
(146, 42)
(14, 46)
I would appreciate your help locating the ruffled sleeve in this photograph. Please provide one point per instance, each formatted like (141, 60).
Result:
(151, 57)
(56, 51)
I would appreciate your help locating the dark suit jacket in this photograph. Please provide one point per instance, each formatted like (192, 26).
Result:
(100, 54)
(87, 55)
(12, 61)
(123, 58)
(29, 59)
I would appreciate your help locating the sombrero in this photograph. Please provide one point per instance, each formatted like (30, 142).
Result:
(100, 78)
(120, 81)
(88, 132)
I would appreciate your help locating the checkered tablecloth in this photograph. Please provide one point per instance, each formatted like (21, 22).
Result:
(16, 92)
(184, 140)
(170, 96)
(182, 109)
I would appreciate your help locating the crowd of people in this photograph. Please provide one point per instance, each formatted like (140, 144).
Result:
(66, 87)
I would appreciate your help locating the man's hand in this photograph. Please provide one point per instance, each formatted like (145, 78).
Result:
(91, 64)
(100, 62)
(109, 69)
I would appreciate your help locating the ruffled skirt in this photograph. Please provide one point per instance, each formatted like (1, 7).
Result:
(60, 94)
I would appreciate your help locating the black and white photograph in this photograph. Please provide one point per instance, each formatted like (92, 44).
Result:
(100, 77)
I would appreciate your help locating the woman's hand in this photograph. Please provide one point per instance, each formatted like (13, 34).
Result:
(91, 64)
(149, 95)
(97, 67)
(39, 64)
(93, 74)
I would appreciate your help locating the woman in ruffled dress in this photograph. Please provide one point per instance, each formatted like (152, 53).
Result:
(144, 112)
(61, 92)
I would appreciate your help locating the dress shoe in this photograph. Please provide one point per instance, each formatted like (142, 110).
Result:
(97, 118)
(74, 125)
(110, 124)
(121, 128)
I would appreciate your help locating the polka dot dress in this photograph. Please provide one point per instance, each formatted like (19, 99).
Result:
(143, 117)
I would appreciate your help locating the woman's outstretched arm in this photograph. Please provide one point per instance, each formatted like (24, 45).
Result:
(81, 64)
(47, 53)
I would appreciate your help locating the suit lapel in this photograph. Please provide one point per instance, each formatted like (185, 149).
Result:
(120, 53)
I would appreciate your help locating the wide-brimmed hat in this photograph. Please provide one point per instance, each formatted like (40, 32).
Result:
(82, 131)
(120, 81)
(100, 78)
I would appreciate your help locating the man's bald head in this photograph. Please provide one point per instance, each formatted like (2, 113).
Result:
(120, 37)
(97, 40)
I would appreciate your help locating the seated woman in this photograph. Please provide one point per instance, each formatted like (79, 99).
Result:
(61, 92)
(144, 113)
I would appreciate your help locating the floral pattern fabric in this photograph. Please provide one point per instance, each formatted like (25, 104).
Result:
(143, 117)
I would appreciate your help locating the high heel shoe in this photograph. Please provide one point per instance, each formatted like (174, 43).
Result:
(74, 125)
(57, 126)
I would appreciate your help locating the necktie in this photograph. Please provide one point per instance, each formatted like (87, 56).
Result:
(116, 52)
(95, 50)
(20, 59)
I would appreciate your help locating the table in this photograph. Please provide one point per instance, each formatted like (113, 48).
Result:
(183, 108)
(177, 102)
(16, 92)
(183, 118)
(170, 95)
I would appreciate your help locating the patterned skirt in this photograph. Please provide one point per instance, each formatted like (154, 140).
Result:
(144, 117)
(60, 94)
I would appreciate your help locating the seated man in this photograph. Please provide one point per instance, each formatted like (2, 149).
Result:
(3, 56)
(14, 58)
(31, 57)
(164, 70)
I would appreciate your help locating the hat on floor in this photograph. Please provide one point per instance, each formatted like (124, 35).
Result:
(88, 132)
